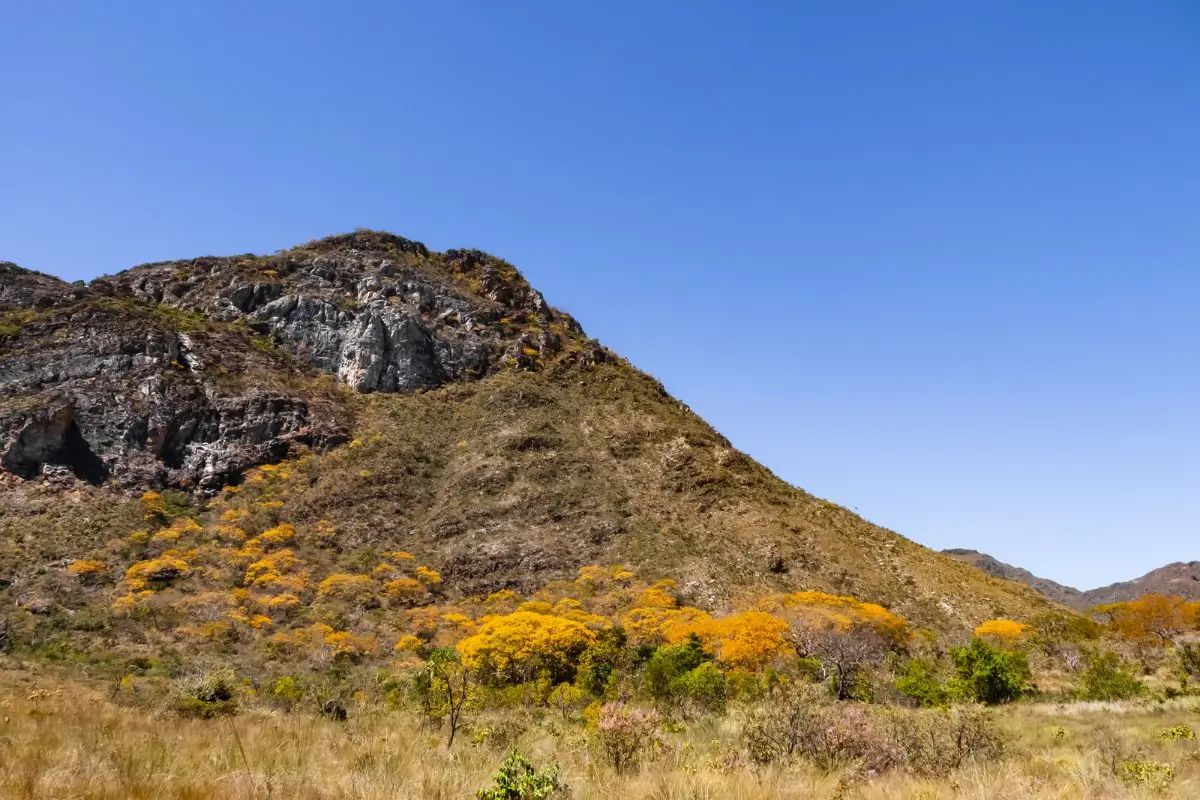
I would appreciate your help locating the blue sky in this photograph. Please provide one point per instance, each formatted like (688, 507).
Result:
(936, 261)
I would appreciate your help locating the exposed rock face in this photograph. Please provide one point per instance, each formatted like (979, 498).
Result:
(188, 372)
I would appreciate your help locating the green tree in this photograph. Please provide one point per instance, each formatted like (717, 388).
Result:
(918, 680)
(1107, 678)
(989, 675)
(669, 664)
(444, 688)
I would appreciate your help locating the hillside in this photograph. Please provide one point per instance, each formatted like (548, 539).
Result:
(431, 403)
(1066, 595)
(1179, 578)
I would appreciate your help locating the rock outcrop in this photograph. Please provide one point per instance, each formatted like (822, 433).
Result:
(185, 373)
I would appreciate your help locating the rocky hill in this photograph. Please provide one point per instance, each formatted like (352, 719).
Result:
(1066, 595)
(1180, 578)
(441, 406)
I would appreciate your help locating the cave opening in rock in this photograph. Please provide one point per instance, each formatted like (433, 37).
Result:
(77, 454)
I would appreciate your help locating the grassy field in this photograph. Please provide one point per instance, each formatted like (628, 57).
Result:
(65, 739)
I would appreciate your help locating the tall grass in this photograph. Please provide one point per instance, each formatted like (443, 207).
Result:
(65, 740)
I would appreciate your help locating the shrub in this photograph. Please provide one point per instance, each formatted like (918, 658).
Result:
(157, 570)
(704, 687)
(1153, 775)
(988, 675)
(88, 570)
(937, 742)
(917, 680)
(1188, 655)
(518, 646)
(213, 694)
(358, 589)
(1003, 631)
(773, 733)
(625, 735)
(925, 742)
(668, 666)
(287, 692)
(1176, 733)
(1106, 678)
(517, 779)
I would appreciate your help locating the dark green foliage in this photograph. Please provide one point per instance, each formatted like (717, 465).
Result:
(601, 661)
(1107, 678)
(918, 680)
(519, 780)
(1189, 663)
(988, 675)
(671, 663)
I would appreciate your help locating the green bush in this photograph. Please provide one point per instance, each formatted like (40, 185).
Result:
(1153, 775)
(988, 675)
(1106, 678)
(705, 687)
(519, 780)
(1176, 733)
(1189, 663)
(668, 665)
(917, 680)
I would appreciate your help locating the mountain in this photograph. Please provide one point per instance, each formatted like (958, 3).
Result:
(439, 405)
(1066, 595)
(1180, 578)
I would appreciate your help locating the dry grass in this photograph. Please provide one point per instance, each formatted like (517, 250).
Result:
(65, 740)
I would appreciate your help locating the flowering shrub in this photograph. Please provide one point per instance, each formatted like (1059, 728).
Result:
(404, 590)
(163, 569)
(518, 645)
(1002, 631)
(358, 589)
(88, 569)
(626, 735)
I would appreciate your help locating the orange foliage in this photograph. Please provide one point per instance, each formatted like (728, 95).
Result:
(405, 590)
(524, 640)
(343, 586)
(750, 640)
(1153, 618)
(1002, 630)
(820, 610)
(87, 569)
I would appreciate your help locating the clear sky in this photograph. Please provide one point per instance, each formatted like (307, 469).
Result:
(938, 261)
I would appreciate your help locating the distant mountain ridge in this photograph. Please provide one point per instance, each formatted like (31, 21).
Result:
(1180, 578)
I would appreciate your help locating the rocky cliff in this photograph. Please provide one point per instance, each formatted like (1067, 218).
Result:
(185, 373)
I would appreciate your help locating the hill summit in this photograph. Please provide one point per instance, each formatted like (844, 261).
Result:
(444, 408)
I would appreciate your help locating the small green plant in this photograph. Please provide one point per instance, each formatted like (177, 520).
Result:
(287, 692)
(1153, 775)
(518, 779)
(1176, 733)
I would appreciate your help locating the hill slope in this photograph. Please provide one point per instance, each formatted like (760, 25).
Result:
(450, 412)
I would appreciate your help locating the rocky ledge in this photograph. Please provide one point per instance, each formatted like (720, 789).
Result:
(185, 373)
